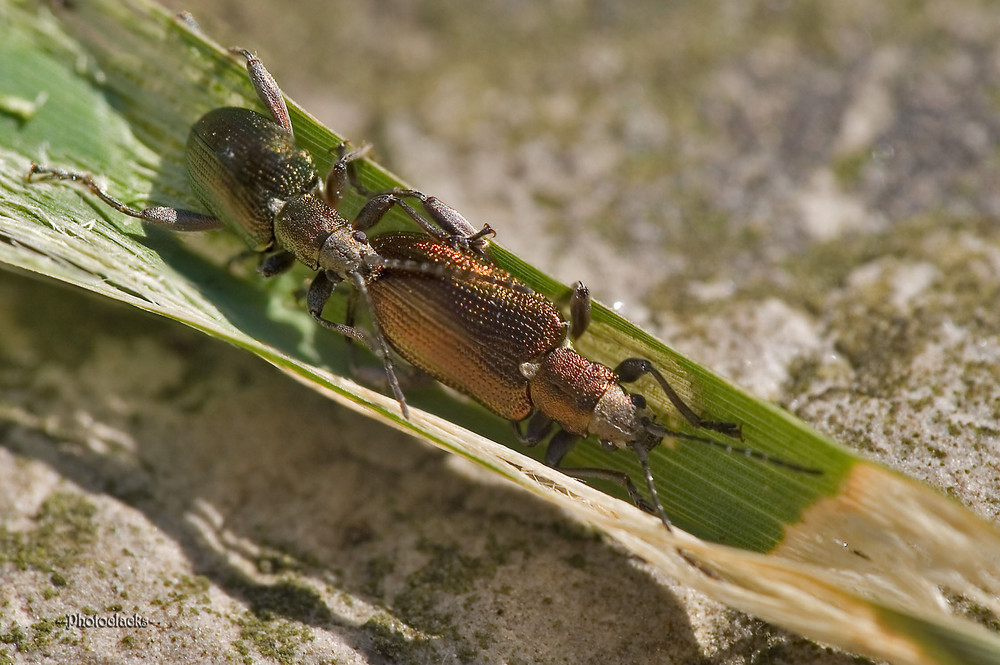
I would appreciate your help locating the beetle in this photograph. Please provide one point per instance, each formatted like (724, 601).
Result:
(435, 298)
(489, 336)
(254, 181)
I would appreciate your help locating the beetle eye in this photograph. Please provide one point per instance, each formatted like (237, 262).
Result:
(360, 237)
(638, 401)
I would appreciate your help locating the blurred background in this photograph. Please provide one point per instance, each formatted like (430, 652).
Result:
(799, 195)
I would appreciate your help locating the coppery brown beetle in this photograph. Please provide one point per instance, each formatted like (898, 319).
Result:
(436, 299)
(474, 327)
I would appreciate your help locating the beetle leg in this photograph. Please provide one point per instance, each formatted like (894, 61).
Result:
(446, 225)
(446, 217)
(381, 347)
(342, 174)
(559, 446)
(319, 292)
(579, 310)
(641, 450)
(275, 263)
(631, 369)
(380, 204)
(563, 442)
(267, 89)
(461, 233)
(269, 263)
(407, 376)
(173, 219)
(539, 426)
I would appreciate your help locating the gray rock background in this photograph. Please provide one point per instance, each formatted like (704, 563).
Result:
(800, 195)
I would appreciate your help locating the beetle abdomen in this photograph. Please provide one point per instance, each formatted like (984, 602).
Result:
(238, 161)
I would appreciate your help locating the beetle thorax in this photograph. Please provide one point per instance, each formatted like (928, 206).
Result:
(616, 418)
(584, 397)
(318, 235)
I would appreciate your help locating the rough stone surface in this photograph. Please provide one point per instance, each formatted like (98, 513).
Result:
(800, 195)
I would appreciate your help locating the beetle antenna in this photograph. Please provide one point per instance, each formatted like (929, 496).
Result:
(444, 270)
(660, 431)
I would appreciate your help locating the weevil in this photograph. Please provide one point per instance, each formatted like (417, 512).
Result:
(246, 170)
(436, 299)
(486, 334)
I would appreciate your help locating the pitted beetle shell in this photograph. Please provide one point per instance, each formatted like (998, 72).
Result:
(239, 162)
(469, 333)
(568, 387)
(307, 227)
